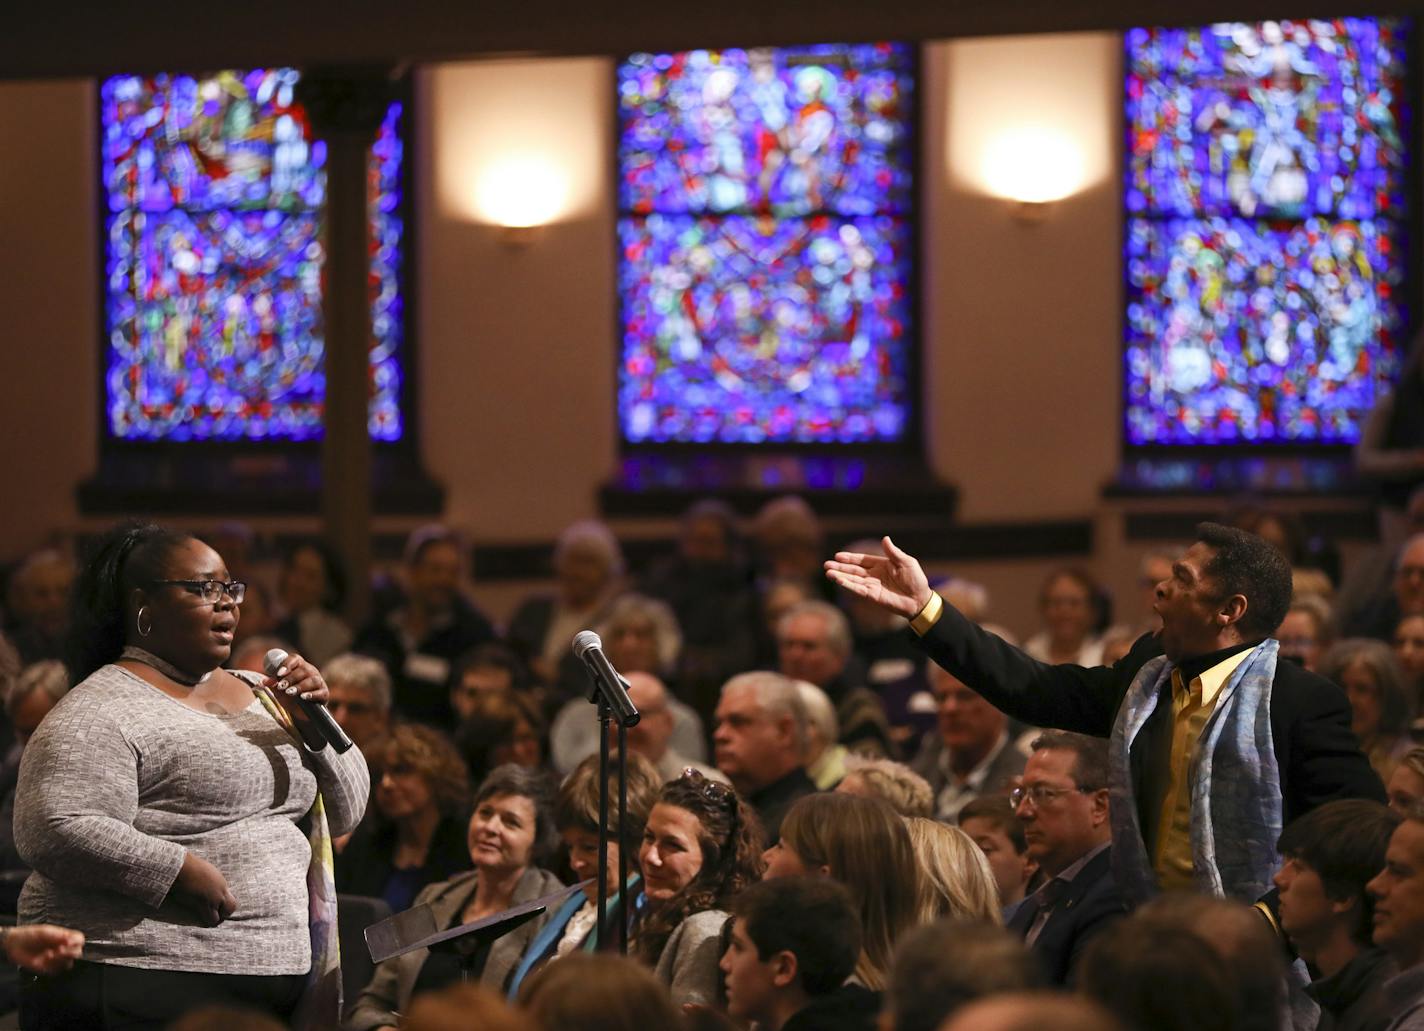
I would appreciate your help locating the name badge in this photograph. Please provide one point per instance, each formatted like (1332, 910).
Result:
(429, 668)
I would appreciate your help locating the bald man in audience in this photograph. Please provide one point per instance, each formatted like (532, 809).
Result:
(651, 736)
(760, 744)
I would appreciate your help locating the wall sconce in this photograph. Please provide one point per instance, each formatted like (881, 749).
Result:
(522, 194)
(1034, 167)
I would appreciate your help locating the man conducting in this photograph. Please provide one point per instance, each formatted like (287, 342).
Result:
(1214, 745)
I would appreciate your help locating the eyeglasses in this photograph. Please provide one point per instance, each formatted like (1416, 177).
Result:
(211, 591)
(1040, 794)
(714, 790)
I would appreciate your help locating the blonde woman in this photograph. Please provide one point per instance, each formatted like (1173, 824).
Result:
(955, 878)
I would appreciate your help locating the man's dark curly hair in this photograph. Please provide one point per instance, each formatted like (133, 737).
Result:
(1245, 564)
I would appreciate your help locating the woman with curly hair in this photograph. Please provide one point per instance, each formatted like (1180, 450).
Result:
(862, 843)
(419, 835)
(701, 845)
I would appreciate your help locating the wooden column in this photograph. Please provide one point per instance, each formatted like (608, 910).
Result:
(346, 106)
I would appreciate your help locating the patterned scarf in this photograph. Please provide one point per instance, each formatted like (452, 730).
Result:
(320, 1006)
(1236, 805)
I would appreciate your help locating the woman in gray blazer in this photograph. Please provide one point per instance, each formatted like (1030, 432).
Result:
(702, 844)
(512, 826)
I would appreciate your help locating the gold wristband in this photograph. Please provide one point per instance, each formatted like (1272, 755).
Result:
(929, 615)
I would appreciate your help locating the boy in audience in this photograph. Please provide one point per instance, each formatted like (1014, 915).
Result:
(990, 821)
(794, 942)
(1330, 854)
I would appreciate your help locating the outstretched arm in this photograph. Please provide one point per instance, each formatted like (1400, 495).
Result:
(1068, 697)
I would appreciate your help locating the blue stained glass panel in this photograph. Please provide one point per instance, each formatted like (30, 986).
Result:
(216, 193)
(1266, 187)
(1246, 331)
(766, 253)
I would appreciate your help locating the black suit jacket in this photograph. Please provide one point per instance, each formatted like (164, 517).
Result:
(1317, 753)
(1089, 904)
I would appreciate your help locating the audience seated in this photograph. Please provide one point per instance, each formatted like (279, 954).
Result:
(1063, 803)
(653, 735)
(360, 702)
(760, 744)
(825, 757)
(970, 753)
(1409, 650)
(509, 835)
(1398, 893)
(491, 668)
(905, 790)
(941, 967)
(310, 593)
(790, 543)
(462, 1007)
(1405, 786)
(30, 697)
(420, 639)
(701, 846)
(954, 877)
(794, 941)
(863, 844)
(708, 583)
(1156, 976)
(37, 605)
(991, 824)
(1378, 616)
(1305, 633)
(895, 670)
(640, 635)
(1380, 708)
(573, 927)
(1073, 609)
(814, 644)
(588, 573)
(1329, 855)
(419, 835)
(600, 993)
(501, 728)
(1254, 959)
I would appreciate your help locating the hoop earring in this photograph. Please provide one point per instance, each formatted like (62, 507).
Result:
(138, 622)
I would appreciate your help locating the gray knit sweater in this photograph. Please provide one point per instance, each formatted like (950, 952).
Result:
(121, 780)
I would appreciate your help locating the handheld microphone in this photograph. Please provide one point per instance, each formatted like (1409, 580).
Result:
(588, 646)
(317, 713)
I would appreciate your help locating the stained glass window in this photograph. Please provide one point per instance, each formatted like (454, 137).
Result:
(1267, 181)
(766, 200)
(215, 195)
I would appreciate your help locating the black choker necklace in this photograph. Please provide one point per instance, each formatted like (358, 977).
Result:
(172, 672)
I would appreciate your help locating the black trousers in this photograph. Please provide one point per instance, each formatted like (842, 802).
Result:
(108, 997)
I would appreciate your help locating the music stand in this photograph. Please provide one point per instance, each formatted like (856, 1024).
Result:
(415, 929)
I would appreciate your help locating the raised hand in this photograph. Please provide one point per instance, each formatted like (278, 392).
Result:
(893, 581)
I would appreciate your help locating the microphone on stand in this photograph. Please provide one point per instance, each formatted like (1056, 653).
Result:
(588, 646)
(317, 713)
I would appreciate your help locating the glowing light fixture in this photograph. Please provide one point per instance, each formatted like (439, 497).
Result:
(1033, 166)
(522, 192)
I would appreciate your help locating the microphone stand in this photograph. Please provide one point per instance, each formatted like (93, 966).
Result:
(629, 715)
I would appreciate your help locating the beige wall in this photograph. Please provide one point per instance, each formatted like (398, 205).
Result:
(517, 343)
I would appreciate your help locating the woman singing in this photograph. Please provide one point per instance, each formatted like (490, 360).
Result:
(171, 813)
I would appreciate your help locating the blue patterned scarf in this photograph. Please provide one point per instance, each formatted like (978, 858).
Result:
(1235, 784)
